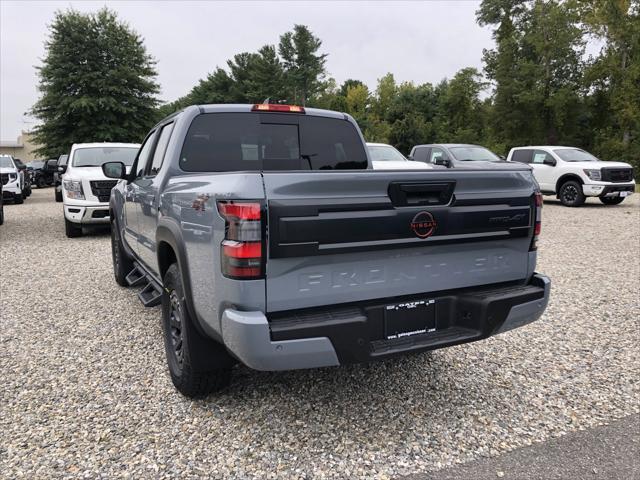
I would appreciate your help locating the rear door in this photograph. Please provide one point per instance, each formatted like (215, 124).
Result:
(132, 210)
(545, 173)
(344, 236)
(148, 198)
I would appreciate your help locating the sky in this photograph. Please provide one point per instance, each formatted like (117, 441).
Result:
(416, 41)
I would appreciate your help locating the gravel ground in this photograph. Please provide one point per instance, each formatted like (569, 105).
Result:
(86, 392)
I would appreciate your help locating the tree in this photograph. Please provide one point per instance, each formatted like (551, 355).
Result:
(536, 69)
(501, 67)
(304, 68)
(459, 108)
(385, 93)
(614, 77)
(97, 83)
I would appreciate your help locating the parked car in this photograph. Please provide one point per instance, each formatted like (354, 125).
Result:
(85, 189)
(355, 264)
(452, 155)
(387, 157)
(27, 177)
(42, 176)
(57, 176)
(12, 180)
(572, 174)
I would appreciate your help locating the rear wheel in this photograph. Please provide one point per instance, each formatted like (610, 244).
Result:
(197, 365)
(1, 212)
(58, 195)
(40, 182)
(122, 263)
(611, 200)
(18, 198)
(72, 230)
(571, 194)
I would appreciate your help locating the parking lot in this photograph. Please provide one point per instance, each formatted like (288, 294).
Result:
(86, 389)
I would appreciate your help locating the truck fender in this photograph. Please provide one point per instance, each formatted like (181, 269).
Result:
(168, 232)
(566, 177)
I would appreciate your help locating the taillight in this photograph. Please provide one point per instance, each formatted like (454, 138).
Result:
(241, 252)
(269, 107)
(538, 221)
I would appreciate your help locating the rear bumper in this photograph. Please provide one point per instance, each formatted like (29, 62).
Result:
(329, 337)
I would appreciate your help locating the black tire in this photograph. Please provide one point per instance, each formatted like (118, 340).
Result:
(122, 262)
(611, 200)
(73, 230)
(58, 196)
(18, 199)
(198, 365)
(571, 194)
(1, 213)
(40, 182)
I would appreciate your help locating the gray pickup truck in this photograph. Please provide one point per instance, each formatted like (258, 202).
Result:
(269, 240)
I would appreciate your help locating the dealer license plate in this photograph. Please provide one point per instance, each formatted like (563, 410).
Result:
(409, 318)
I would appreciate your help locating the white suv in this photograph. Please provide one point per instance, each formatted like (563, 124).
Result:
(85, 189)
(12, 179)
(571, 174)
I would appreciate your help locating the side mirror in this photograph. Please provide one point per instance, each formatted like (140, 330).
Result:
(445, 162)
(550, 161)
(114, 170)
(410, 157)
(51, 165)
(62, 169)
(502, 157)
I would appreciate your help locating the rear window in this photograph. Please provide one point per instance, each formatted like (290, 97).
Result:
(223, 142)
(522, 156)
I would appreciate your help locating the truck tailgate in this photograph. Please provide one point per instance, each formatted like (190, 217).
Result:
(338, 237)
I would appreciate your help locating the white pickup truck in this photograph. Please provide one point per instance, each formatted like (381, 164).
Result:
(12, 180)
(571, 174)
(85, 189)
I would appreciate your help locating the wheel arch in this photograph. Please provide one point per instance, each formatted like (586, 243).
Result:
(565, 178)
(170, 248)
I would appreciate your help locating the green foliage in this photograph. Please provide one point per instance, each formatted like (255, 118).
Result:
(613, 78)
(97, 83)
(538, 88)
(304, 67)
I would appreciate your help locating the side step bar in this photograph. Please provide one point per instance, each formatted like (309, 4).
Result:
(151, 294)
(136, 277)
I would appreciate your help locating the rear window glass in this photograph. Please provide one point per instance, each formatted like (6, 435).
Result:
(222, 142)
(522, 156)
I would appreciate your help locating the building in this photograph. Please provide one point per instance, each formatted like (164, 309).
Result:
(22, 148)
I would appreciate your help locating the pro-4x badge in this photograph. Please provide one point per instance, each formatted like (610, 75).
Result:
(423, 224)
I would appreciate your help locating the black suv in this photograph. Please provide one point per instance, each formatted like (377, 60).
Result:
(42, 177)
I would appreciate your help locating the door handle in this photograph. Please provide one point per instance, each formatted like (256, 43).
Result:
(421, 193)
